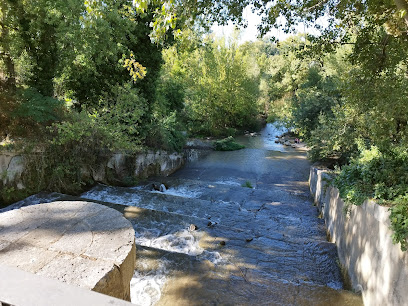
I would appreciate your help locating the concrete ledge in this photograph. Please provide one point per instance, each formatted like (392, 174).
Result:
(113, 169)
(21, 288)
(80, 243)
(377, 267)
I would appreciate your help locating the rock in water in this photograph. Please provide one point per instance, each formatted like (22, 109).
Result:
(211, 224)
(193, 227)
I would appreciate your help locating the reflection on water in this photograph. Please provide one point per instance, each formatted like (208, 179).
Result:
(266, 140)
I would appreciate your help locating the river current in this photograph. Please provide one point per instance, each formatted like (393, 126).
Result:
(231, 228)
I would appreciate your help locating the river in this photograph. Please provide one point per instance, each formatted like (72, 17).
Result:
(210, 239)
(232, 228)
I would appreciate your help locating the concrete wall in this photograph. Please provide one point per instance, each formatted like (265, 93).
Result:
(377, 267)
(115, 169)
(120, 167)
(11, 168)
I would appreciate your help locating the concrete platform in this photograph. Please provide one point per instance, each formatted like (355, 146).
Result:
(80, 243)
(21, 288)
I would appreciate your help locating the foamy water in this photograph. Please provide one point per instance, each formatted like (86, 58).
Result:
(181, 191)
(145, 288)
(108, 194)
(181, 241)
(213, 257)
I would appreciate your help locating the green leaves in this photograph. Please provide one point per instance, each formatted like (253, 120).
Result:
(37, 107)
(228, 144)
(221, 86)
(399, 221)
(379, 175)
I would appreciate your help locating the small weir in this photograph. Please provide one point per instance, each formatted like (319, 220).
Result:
(231, 228)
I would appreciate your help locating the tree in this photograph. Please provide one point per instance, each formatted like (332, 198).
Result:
(220, 81)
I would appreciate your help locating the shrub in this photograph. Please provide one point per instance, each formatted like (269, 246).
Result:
(27, 112)
(381, 175)
(70, 147)
(165, 134)
(227, 144)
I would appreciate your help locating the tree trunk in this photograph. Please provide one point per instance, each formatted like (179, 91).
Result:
(5, 55)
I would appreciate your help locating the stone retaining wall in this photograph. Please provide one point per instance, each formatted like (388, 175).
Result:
(116, 169)
(377, 267)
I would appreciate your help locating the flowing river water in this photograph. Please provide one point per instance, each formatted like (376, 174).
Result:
(211, 239)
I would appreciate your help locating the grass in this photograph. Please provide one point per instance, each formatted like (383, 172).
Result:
(247, 184)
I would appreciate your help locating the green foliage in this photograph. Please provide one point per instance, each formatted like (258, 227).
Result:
(26, 112)
(37, 107)
(12, 194)
(166, 134)
(379, 175)
(247, 184)
(309, 104)
(316, 95)
(123, 113)
(334, 137)
(227, 144)
(72, 146)
(221, 86)
(399, 221)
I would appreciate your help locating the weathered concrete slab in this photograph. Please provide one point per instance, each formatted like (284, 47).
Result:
(26, 289)
(80, 243)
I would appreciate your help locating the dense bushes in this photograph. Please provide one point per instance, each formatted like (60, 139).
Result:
(382, 176)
